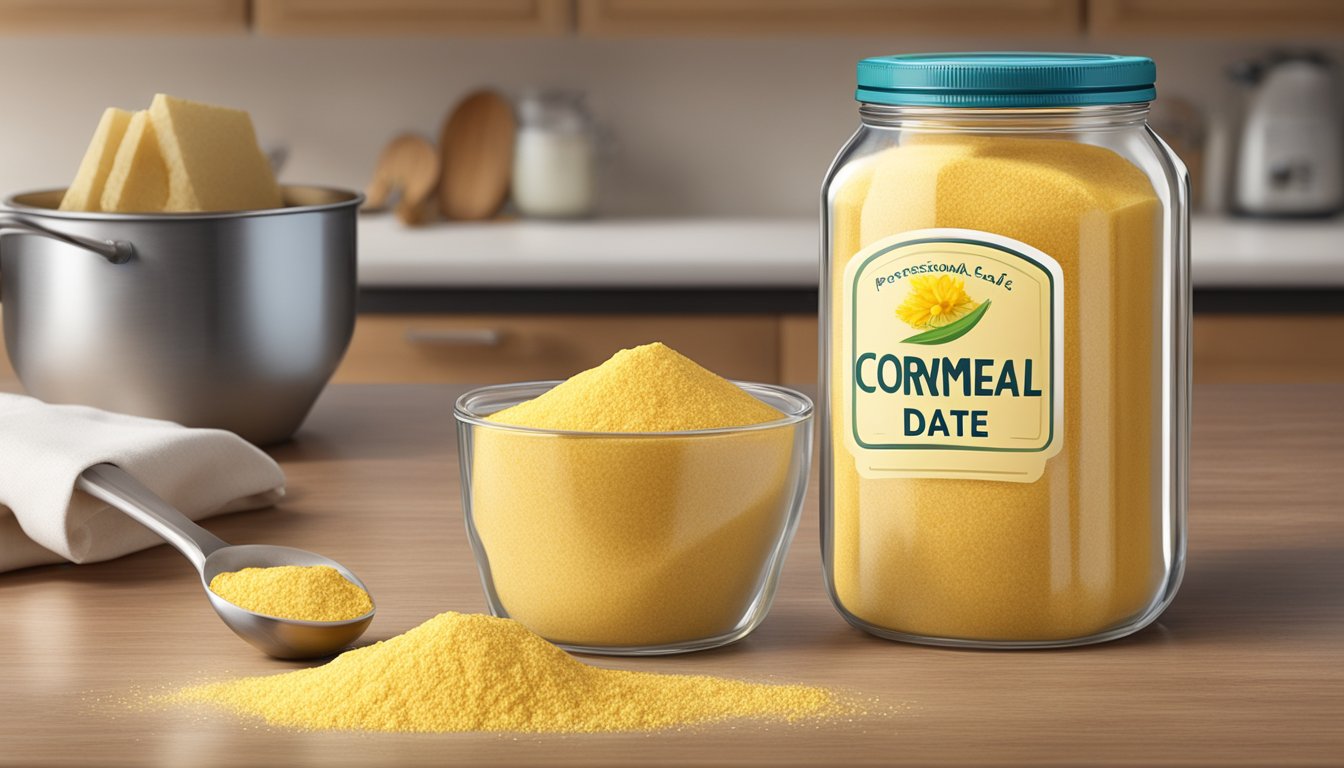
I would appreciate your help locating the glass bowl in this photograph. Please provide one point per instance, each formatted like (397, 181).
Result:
(632, 543)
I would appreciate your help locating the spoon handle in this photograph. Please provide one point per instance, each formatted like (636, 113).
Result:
(111, 484)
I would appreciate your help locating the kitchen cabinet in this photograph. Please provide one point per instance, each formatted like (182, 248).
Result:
(1255, 19)
(1305, 347)
(413, 18)
(798, 350)
(486, 349)
(1228, 347)
(750, 18)
(134, 17)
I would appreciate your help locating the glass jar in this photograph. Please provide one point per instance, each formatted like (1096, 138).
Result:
(632, 543)
(554, 164)
(1005, 313)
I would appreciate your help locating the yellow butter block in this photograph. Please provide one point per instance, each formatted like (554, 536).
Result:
(86, 191)
(138, 180)
(212, 157)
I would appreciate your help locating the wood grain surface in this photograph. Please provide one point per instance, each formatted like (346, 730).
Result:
(476, 149)
(1247, 667)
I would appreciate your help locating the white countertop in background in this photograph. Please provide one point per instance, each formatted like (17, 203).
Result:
(608, 253)
(1266, 253)
(760, 254)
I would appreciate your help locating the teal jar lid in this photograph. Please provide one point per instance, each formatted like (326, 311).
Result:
(1005, 80)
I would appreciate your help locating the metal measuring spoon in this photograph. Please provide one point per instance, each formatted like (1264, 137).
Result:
(281, 638)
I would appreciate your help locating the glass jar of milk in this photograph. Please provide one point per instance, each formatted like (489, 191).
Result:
(554, 159)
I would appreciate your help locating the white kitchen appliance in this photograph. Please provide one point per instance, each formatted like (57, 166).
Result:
(1291, 161)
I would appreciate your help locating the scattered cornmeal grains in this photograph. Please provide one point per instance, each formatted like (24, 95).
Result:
(612, 540)
(300, 592)
(469, 672)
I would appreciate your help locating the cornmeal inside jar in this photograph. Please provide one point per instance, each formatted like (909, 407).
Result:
(1079, 549)
(628, 532)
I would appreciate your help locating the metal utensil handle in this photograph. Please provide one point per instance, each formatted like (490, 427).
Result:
(111, 484)
(115, 251)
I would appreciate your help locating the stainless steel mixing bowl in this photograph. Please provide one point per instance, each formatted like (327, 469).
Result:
(233, 320)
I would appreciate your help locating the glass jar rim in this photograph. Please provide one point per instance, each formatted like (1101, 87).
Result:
(796, 407)
(1005, 119)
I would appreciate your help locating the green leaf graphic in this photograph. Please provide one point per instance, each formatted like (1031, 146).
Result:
(951, 331)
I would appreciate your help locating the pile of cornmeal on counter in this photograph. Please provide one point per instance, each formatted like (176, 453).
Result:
(470, 672)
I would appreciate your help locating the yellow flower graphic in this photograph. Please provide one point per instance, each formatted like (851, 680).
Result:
(935, 301)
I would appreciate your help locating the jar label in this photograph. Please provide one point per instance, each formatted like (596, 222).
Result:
(953, 356)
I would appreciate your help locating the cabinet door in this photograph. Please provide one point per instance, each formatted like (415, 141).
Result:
(741, 18)
(491, 349)
(132, 17)
(1216, 18)
(414, 18)
(1246, 348)
(1268, 348)
(798, 350)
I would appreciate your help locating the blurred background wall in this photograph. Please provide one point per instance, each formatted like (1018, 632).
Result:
(722, 127)
(718, 120)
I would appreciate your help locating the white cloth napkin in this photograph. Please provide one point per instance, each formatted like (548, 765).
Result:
(43, 448)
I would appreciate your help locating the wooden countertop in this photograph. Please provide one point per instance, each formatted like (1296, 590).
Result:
(1246, 667)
